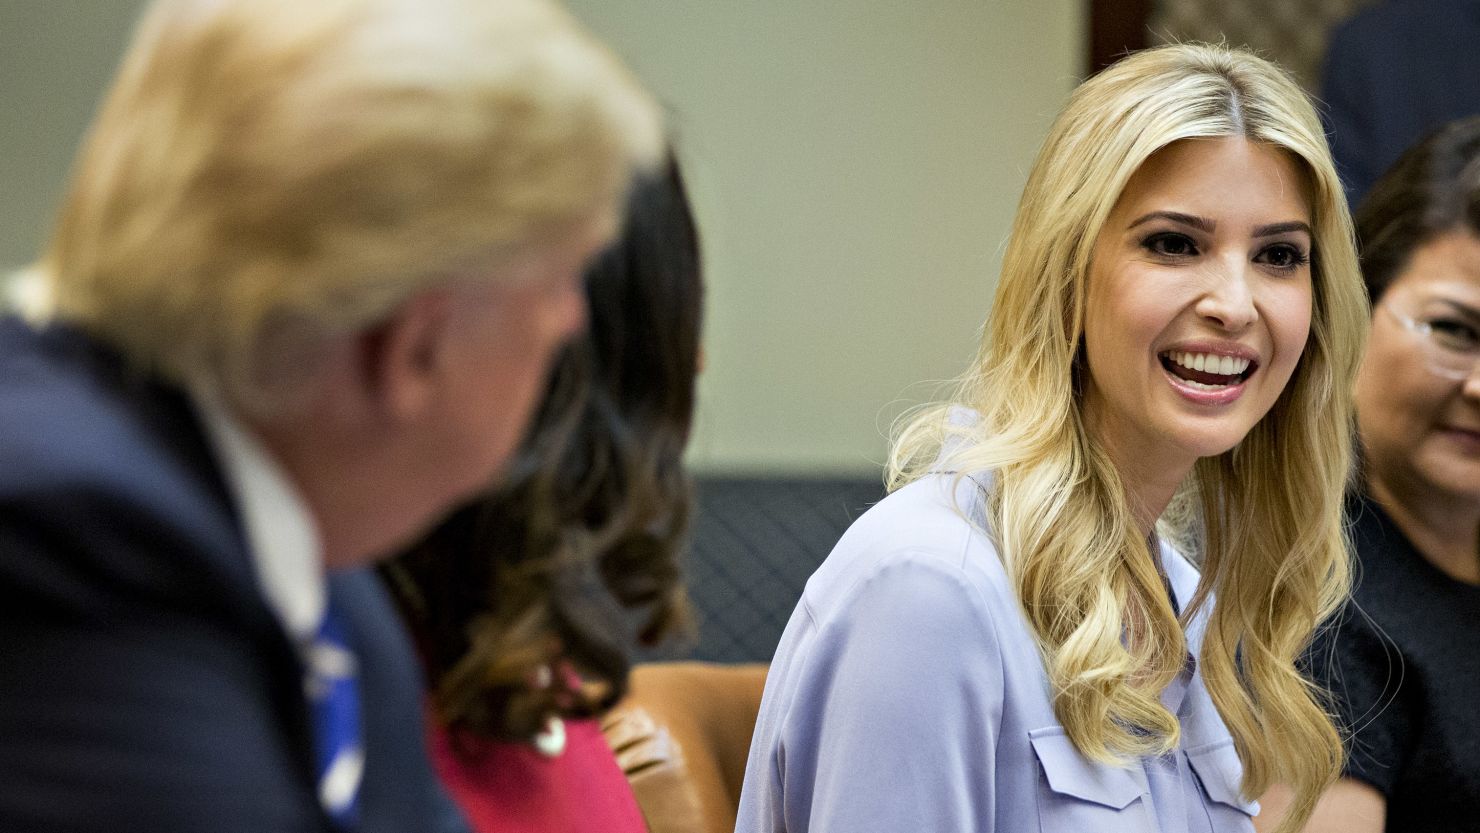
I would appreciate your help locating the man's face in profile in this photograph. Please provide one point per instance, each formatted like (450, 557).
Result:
(507, 335)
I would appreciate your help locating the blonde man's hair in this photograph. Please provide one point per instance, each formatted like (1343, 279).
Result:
(264, 173)
(1270, 526)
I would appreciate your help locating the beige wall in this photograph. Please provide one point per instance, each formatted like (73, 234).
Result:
(855, 167)
(56, 56)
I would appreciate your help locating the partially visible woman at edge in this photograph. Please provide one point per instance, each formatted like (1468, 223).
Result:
(521, 601)
(1006, 642)
(1400, 664)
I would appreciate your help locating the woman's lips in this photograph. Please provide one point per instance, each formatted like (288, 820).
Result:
(1196, 379)
(1218, 396)
(1467, 438)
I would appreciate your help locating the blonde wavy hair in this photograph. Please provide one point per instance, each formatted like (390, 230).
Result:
(1268, 511)
(262, 174)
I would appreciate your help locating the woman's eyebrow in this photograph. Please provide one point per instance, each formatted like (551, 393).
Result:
(1208, 226)
(1200, 223)
(1459, 306)
(1282, 228)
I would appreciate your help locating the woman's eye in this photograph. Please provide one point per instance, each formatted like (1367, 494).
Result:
(1284, 256)
(1170, 244)
(1454, 334)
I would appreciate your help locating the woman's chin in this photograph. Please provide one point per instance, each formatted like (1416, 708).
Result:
(1448, 469)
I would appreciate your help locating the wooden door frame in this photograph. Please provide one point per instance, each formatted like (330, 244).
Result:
(1115, 28)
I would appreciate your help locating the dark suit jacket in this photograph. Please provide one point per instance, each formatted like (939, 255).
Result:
(145, 685)
(1394, 73)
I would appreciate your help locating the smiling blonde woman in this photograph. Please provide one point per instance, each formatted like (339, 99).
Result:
(1007, 642)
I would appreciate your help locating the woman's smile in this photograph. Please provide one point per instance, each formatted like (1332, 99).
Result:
(1209, 374)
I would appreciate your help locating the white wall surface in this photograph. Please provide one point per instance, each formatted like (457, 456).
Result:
(855, 166)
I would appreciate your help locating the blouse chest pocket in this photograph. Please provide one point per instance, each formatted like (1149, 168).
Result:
(1076, 794)
(1220, 775)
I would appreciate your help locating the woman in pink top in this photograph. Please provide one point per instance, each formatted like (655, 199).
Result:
(526, 603)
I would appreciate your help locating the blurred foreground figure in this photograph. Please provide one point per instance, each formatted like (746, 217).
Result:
(521, 600)
(300, 301)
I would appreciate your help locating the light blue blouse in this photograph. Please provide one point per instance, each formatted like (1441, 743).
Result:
(907, 695)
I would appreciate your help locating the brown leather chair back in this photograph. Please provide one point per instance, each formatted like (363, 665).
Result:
(682, 735)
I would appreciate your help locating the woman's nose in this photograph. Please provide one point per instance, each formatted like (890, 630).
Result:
(1229, 298)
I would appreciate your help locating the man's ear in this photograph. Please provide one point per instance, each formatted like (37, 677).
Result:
(402, 356)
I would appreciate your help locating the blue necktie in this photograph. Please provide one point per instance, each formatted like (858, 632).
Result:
(334, 708)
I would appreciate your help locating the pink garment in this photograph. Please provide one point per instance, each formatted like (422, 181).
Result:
(514, 788)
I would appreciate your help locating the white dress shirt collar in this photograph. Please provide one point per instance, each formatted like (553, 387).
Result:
(282, 538)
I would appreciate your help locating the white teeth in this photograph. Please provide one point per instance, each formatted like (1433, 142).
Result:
(1200, 386)
(1209, 363)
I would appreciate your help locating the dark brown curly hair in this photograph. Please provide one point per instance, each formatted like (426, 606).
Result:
(577, 555)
